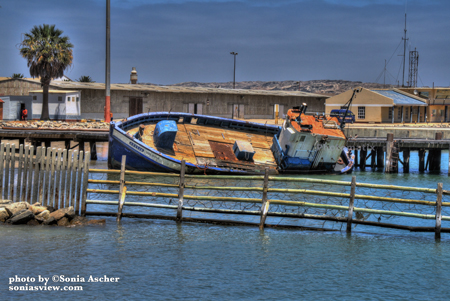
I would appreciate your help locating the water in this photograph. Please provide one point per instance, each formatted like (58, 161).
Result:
(162, 260)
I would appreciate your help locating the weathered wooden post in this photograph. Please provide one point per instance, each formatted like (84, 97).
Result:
(85, 185)
(363, 159)
(449, 161)
(389, 145)
(435, 155)
(351, 205)
(380, 157)
(93, 149)
(19, 172)
(181, 192)
(421, 160)
(356, 157)
(79, 178)
(37, 174)
(265, 203)
(437, 233)
(7, 161)
(373, 157)
(122, 188)
(13, 169)
(406, 155)
(2, 157)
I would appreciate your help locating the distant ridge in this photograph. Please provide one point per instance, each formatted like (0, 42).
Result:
(327, 87)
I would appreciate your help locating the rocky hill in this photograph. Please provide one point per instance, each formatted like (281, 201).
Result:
(328, 87)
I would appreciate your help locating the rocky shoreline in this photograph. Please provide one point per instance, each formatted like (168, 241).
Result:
(23, 213)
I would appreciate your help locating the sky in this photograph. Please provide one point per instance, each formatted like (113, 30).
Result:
(173, 41)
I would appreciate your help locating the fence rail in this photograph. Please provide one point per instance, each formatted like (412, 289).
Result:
(265, 203)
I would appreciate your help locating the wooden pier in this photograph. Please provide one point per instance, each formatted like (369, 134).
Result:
(384, 153)
(39, 136)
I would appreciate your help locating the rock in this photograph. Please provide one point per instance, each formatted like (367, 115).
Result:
(44, 215)
(4, 203)
(4, 215)
(36, 209)
(16, 207)
(50, 208)
(37, 204)
(78, 221)
(50, 221)
(97, 222)
(65, 212)
(21, 218)
(33, 222)
(64, 222)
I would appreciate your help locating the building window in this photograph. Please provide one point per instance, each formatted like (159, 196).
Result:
(34, 97)
(68, 98)
(407, 112)
(399, 113)
(59, 98)
(415, 110)
(78, 99)
(390, 113)
(441, 113)
(361, 112)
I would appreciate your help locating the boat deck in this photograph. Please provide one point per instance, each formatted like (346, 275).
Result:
(212, 145)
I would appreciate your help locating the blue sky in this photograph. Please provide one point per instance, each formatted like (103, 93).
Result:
(172, 41)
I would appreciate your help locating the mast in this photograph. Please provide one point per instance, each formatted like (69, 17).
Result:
(404, 54)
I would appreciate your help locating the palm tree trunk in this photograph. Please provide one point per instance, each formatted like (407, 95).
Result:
(44, 113)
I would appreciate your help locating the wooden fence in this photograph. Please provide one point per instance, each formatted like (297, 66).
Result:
(264, 212)
(49, 176)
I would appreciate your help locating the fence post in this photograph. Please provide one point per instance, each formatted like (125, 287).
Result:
(87, 162)
(437, 233)
(2, 161)
(78, 191)
(13, 170)
(19, 173)
(7, 161)
(181, 191)
(265, 203)
(122, 188)
(30, 173)
(37, 173)
(351, 204)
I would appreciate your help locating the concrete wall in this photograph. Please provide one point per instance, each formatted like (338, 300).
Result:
(18, 87)
(216, 104)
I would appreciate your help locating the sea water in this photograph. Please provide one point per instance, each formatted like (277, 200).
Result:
(163, 260)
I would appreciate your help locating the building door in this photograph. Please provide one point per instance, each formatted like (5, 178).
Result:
(1, 110)
(136, 106)
(235, 111)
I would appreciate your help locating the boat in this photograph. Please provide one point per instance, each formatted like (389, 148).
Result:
(160, 141)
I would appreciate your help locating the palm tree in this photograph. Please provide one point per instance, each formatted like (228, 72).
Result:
(48, 54)
(17, 75)
(85, 79)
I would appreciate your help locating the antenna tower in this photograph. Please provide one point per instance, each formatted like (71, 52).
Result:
(413, 68)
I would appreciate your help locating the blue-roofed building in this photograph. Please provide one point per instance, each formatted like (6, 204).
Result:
(381, 106)
(438, 100)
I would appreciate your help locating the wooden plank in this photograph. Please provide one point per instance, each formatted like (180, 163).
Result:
(7, 162)
(181, 192)
(2, 158)
(36, 178)
(122, 188)
(58, 179)
(87, 162)
(52, 179)
(25, 172)
(19, 173)
(79, 178)
(265, 202)
(68, 177)
(74, 177)
(437, 233)
(42, 175)
(121, 202)
(351, 205)
(30, 173)
(62, 190)
(13, 169)
(47, 176)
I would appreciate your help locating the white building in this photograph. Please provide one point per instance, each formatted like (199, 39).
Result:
(63, 105)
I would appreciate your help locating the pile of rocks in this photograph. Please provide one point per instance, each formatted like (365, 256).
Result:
(38, 124)
(23, 213)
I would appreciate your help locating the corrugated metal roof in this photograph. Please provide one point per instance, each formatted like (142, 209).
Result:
(54, 91)
(400, 99)
(178, 89)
